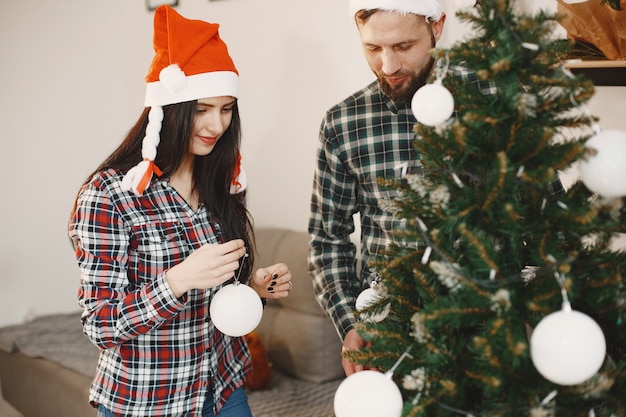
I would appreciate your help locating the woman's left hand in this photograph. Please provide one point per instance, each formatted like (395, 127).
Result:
(272, 281)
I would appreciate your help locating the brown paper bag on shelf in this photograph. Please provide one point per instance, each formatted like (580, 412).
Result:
(597, 24)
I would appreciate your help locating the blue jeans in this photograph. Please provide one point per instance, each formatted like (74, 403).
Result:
(236, 406)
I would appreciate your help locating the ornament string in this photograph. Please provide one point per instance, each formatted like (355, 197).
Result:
(560, 278)
(243, 261)
(441, 68)
(389, 373)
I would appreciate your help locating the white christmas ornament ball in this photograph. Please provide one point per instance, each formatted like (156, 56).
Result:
(236, 309)
(567, 347)
(367, 298)
(605, 172)
(432, 104)
(368, 394)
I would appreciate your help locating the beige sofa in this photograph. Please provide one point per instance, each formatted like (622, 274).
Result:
(46, 365)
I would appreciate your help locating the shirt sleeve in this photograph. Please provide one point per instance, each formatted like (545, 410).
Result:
(114, 308)
(332, 255)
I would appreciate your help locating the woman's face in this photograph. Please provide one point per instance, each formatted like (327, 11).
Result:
(213, 116)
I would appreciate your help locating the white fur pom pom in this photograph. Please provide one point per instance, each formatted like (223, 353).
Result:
(173, 78)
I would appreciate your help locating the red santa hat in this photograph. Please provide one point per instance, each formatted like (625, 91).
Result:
(191, 62)
(431, 9)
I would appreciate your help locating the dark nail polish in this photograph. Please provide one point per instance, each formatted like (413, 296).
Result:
(272, 283)
(275, 276)
(270, 289)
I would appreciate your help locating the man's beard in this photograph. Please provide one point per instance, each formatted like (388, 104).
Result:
(405, 92)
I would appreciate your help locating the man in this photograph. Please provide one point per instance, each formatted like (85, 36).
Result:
(368, 136)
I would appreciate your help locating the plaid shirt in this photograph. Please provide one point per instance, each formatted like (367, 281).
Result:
(159, 355)
(365, 137)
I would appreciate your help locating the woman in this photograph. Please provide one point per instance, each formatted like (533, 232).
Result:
(157, 234)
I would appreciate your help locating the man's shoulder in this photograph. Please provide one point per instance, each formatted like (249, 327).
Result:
(467, 75)
(357, 98)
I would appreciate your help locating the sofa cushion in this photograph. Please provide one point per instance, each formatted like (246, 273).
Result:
(300, 339)
(290, 247)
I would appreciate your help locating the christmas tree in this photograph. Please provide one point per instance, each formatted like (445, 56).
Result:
(502, 296)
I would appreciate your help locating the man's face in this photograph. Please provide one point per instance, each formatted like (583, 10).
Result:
(397, 48)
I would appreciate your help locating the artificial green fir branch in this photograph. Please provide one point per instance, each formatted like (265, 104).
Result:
(475, 266)
(497, 187)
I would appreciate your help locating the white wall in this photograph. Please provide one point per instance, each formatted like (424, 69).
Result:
(72, 83)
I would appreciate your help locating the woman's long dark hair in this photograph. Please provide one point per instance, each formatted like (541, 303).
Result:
(212, 173)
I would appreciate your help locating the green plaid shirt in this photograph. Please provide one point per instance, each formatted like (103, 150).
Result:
(364, 137)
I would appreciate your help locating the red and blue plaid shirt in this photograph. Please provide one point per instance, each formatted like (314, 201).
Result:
(159, 355)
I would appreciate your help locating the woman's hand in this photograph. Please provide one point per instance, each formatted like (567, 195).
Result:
(272, 281)
(207, 267)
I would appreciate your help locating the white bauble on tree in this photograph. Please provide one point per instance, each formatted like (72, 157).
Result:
(236, 309)
(432, 104)
(567, 347)
(368, 394)
(605, 172)
(367, 298)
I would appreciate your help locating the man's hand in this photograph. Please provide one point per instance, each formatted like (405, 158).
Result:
(352, 341)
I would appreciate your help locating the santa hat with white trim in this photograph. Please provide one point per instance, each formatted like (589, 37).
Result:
(431, 9)
(191, 62)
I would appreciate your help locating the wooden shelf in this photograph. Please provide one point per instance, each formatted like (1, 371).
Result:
(601, 72)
